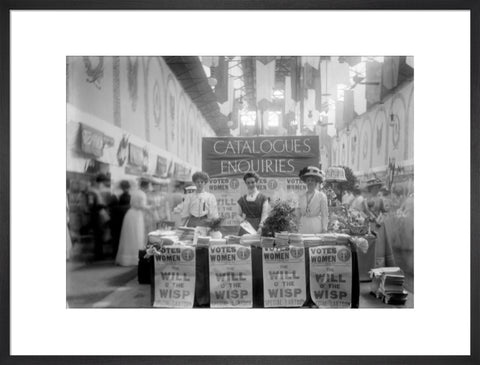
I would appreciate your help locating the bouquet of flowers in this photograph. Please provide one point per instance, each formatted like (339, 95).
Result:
(280, 219)
(347, 221)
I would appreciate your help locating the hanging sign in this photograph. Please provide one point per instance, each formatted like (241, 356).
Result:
(284, 276)
(331, 276)
(135, 155)
(278, 156)
(181, 172)
(175, 277)
(91, 141)
(230, 276)
(137, 159)
(161, 167)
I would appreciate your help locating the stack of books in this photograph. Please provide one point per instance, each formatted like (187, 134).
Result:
(281, 239)
(203, 241)
(233, 240)
(387, 285)
(267, 241)
(185, 233)
(311, 240)
(250, 239)
(162, 237)
(296, 239)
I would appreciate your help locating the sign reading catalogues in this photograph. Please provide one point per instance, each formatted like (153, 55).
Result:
(284, 276)
(175, 277)
(279, 156)
(331, 276)
(230, 276)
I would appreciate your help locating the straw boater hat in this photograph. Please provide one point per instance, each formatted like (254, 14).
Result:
(374, 182)
(313, 172)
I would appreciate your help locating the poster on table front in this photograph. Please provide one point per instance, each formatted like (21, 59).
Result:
(284, 276)
(331, 276)
(230, 276)
(175, 277)
(276, 159)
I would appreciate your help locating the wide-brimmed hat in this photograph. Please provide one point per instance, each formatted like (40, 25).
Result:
(374, 182)
(311, 171)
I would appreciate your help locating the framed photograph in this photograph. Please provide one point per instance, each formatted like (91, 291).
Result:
(65, 62)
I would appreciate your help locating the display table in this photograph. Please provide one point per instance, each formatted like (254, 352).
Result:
(202, 276)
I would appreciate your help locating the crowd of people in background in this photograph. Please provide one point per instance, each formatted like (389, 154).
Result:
(116, 218)
(375, 200)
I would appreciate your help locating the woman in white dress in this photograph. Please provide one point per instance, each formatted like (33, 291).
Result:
(313, 205)
(133, 235)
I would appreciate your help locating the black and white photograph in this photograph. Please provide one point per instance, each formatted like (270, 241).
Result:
(240, 185)
(240, 181)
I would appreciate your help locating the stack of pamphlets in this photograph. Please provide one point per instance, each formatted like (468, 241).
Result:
(250, 239)
(162, 237)
(281, 239)
(387, 284)
(185, 233)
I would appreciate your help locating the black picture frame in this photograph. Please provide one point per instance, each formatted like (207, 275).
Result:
(7, 6)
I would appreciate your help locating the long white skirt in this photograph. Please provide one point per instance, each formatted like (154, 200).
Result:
(310, 225)
(132, 238)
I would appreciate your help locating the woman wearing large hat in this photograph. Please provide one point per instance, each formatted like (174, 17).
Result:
(313, 205)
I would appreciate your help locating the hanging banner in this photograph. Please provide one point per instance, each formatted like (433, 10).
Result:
(230, 276)
(284, 276)
(175, 277)
(331, 276)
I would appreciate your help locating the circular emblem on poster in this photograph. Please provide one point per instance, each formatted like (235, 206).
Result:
(243, 253)
(156, 104)
(296, 252)
(272, 184)
(234, 184)
(343, 254)
(188, 254)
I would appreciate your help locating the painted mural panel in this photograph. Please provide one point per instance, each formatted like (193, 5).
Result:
(156, 101)
(397, 128)
(91, 86)
(410, 126)
(190, 133)
(171, 114)
(379, 142)
(365, 148)
(354, 143)
(343, 150)
(132, 95)
(182, 121)
(334, 152)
